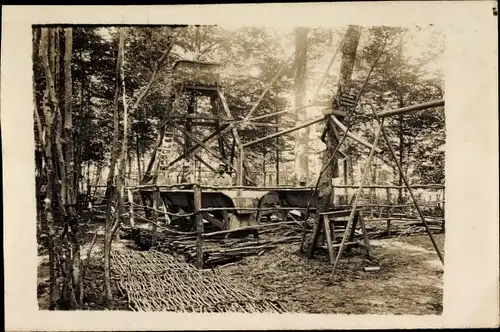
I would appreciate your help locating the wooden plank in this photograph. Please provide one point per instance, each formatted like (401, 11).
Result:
(329, 243)
(219, 224)
(198, 116)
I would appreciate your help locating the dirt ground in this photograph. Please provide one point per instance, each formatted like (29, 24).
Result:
(410, 279)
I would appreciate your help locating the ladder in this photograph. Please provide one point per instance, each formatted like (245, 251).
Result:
(166, 150)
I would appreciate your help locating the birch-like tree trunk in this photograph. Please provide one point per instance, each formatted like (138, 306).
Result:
(302, 135)
(45, 58)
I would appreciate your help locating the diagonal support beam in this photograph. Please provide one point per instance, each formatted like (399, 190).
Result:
(411, 109)
(352, 136)
(403, 175)
(284, 132)
(178, 141)
(207, 140)
(235, 134)
(204, 146)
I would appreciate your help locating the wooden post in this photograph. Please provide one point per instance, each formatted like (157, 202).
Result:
(328, 231)
(315, 236)
(131, 207)
(443, 229)
(165, 212)
(199, 227)
(277, 156)
(156, 196)
(388, 201)
(365, 234)
(264, 162)
(346, 191)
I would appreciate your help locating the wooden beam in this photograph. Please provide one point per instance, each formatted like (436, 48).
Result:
(195, 149)
(411, 109)
(178, 141)
(324, 104)
(354, 137)
(203, 145)
(198, 117)
(235, 135)
(284, 132)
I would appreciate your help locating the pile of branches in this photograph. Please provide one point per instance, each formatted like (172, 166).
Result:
(216, 250)
(155, 281)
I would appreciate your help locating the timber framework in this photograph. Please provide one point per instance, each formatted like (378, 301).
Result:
(206, 211)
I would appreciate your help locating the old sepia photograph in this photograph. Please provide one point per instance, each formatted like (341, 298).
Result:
(213, 169)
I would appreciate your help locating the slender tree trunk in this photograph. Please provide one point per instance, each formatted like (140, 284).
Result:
(110, 183)
(46, 57)
(70, 179)
(302, 135)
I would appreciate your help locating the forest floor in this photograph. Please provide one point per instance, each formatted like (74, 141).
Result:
(410, 279)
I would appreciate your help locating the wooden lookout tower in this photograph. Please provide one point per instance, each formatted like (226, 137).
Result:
(193, 81)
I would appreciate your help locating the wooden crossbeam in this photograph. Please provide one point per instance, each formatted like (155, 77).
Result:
(207, 140)
(411, 109)
(236, 136)
(284, 132)
(178, 141)
(203, 145)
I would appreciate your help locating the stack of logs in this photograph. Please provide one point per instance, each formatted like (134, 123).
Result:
(216, 251)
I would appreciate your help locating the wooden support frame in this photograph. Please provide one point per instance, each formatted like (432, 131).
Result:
(411, 109)
(400, 168)
(236, 136)
(203, 145)
(207, 140)
(284, 132)
(351, 135)
(356, 200)
(178, 141)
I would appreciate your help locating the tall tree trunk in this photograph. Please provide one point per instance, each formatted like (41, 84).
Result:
(348, 50)
(77, 131)
(70, 176)
(110, 181)
(45, 57)
(302, 135)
